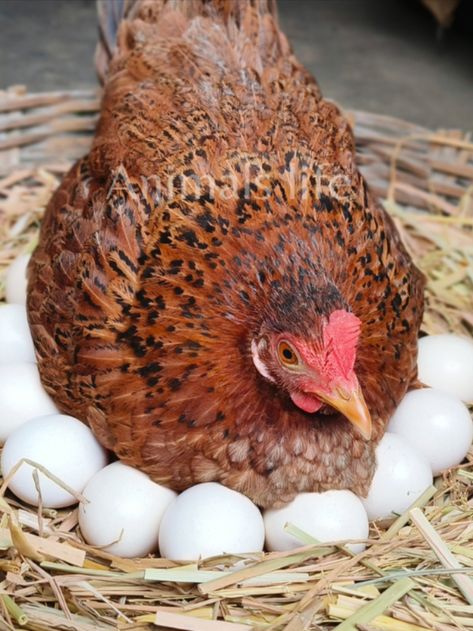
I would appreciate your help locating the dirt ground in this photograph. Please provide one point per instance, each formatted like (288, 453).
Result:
(382, 56)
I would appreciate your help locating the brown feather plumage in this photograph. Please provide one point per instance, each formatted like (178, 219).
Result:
(148, 286)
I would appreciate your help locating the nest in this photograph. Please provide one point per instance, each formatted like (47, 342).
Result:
(416, 571)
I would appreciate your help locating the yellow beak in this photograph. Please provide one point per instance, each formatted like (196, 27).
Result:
(353, 406)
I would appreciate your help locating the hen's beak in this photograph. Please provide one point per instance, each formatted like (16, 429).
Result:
(352, 405)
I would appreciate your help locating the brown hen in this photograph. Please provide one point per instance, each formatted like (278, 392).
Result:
(215, 291)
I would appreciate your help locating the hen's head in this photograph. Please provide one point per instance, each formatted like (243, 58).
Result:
(317, 368)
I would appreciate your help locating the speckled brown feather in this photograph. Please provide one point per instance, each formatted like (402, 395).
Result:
(145, 291)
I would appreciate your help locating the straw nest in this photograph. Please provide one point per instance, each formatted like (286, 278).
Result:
(416, 572)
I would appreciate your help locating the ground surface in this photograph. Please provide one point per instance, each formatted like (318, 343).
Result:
(382, 56)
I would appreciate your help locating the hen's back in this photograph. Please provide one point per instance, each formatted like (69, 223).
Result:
(210, 73)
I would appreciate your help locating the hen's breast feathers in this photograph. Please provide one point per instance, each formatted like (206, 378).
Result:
(218, 179)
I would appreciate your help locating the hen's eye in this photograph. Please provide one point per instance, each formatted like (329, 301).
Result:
(287, 355)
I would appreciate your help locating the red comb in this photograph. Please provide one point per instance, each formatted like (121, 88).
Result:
(341, 335)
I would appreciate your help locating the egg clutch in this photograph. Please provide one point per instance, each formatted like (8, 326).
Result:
(53, 460)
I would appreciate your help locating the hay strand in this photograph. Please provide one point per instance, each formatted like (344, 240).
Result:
(378, 606)
(446, 558)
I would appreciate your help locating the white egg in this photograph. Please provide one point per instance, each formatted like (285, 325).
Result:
(16, 280)
(209, 519)
(16, 344)
(445, 362)
(62, 444)
(402, 475)
(21, 397)
(328, 516)
(123, 511)
(437, 424)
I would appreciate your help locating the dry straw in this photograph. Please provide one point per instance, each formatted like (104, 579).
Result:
(417, 570)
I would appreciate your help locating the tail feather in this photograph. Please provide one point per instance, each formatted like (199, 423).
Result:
(111, 14)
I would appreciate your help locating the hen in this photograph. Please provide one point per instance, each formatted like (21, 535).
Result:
(215, 291)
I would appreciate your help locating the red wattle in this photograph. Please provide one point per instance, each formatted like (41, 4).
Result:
(306, 402)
